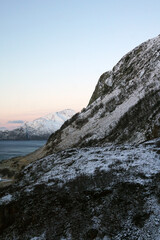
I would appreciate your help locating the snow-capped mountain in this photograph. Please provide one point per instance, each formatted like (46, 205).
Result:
(44, 126)
(40, 128)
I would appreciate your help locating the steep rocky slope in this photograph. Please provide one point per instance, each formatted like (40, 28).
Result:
(84, 186)
(125, 105)
(40, 128)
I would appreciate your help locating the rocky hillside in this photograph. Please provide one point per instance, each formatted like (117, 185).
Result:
(40, 128)
(125, 105)
(96, 193)
(83, 186)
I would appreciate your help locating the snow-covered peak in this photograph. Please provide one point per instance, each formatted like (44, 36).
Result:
(61, 115)
(49, 123)
(40, 128)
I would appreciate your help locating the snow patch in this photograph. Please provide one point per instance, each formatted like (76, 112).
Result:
(109, 82)
(42, 237)
(6, 199)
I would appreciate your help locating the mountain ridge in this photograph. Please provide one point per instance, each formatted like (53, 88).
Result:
(128, 93)
(40, 128)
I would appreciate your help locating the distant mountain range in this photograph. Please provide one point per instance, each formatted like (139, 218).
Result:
(40, 128)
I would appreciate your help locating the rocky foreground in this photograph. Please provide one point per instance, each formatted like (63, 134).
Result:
(109, 192)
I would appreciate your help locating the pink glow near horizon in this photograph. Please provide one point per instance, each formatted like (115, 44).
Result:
(5, 121)
(25, 107)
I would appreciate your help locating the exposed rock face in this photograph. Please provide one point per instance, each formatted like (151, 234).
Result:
(89, 188)
(125, 105)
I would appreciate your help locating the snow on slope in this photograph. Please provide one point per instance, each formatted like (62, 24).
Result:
(124, 105)
(114, 189)
(69, 164)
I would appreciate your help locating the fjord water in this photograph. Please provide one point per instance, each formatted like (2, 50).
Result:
(10, 149)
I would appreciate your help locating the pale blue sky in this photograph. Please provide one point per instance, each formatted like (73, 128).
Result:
(52, 52)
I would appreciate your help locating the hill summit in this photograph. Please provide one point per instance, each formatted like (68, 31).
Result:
(125, 106)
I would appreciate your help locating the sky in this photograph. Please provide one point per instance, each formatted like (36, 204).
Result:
(52, 52)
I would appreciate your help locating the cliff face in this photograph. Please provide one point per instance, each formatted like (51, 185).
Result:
(125, 105)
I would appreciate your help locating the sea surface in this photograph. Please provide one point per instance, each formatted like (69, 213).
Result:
(10, 149)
